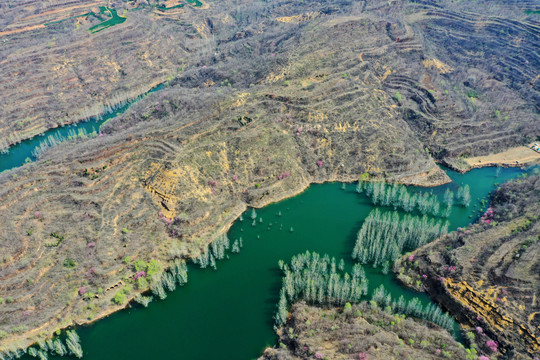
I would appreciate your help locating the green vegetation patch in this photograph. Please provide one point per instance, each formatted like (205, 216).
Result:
(473, 94)
(114, 20)
(69, 263)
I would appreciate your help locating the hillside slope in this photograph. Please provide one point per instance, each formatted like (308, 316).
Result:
(270, 97)
(363, 332)
(488, 274)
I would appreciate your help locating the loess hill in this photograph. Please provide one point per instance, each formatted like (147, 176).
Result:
(261, 100)
(466, 69)
(488, 274)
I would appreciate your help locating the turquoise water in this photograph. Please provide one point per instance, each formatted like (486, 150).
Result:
(19, 153)
(228, 313)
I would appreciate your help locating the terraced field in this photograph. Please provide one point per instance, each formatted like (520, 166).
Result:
(487, 274)
(60, 66)
(59, 70)
(261, 100)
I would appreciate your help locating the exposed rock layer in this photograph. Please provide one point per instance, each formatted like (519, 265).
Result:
(488, 274)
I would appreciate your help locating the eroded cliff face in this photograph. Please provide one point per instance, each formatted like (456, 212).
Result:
(487, 274)
(266, 99)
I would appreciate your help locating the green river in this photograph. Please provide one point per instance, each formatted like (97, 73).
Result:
(228, 313)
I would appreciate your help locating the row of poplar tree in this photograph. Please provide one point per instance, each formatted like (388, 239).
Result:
(384, 236)
(318, 280)
(398, 196)
(44, 348)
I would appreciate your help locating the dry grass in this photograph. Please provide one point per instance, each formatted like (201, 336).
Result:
(515, 156)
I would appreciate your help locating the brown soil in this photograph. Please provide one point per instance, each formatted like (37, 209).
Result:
(516, 156)
(487, 275)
